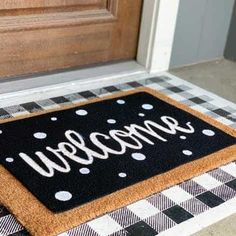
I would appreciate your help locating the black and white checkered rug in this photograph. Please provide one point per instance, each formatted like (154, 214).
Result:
(163, 211)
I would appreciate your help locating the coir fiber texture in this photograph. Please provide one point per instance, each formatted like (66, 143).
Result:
(62, 168)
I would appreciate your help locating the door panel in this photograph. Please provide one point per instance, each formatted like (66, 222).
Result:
(16, 4)
(44, 35)
(16, 7)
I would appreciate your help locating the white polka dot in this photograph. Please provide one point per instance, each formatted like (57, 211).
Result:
(208, 132)
(141, 114)
(120, 101)
(63, 196)
(147, 106)
(182, 137)
(9, 159)
(81, 112)
(0, 131)
(40, 135)
(111, 121)
(122, 175)
(53, 118)
(84, 171)
(187, 152)
(138, 156)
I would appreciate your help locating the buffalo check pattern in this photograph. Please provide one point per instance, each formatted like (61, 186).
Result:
(162, 210)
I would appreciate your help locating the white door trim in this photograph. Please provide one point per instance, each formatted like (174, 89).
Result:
(157, 34)
(42, 87)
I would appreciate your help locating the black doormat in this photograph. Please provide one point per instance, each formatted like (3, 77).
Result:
(72, 157)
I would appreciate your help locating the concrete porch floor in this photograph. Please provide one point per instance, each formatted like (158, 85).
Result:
(218, 77)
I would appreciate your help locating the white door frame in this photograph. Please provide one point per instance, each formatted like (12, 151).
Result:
(154, 52)
(157, 34)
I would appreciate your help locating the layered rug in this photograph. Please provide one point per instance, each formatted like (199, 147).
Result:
(61, 168)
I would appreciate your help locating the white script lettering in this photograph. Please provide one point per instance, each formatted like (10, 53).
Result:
(132, 138)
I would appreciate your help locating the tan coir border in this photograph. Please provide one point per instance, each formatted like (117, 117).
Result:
(39, 221)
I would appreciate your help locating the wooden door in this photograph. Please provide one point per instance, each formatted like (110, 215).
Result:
(45, 35)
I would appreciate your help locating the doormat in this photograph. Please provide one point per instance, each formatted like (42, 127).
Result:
(64, 167)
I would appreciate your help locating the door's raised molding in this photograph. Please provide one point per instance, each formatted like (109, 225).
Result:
(102, 11)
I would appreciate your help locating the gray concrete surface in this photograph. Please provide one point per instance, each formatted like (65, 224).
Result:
(218, 77)
(226, 227)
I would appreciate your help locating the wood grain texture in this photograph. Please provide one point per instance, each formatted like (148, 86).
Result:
(17, 4)
(34, 41)
(26, 7)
